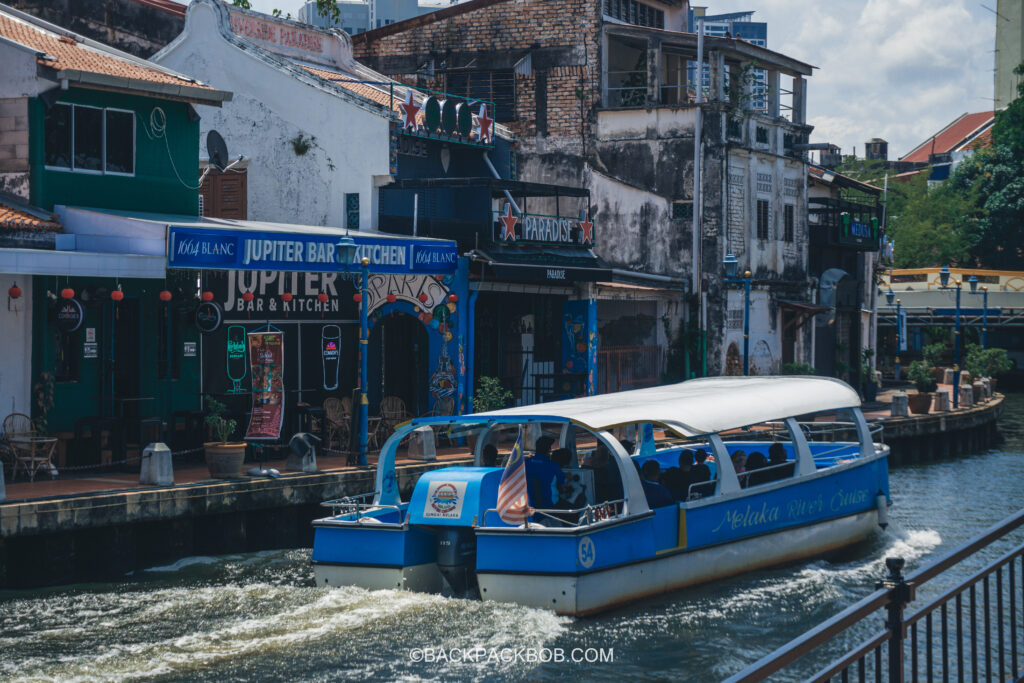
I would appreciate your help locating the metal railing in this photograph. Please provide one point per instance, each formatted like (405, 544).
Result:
(576, 517)
(941, 651)
(357, 507)
(627, 367)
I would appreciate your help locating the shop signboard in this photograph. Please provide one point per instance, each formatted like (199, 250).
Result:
(209, 317)
(510, 228)
(70, 315)
(266, 363)
(304, 252)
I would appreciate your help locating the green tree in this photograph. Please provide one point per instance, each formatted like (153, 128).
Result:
(931, 226)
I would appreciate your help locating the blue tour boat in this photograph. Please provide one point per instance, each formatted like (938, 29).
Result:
(609, 547)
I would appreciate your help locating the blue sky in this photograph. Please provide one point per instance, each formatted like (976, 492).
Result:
(895, 69)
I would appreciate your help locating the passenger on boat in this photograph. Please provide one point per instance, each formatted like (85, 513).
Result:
(657, 495)
(756, 461)
(701, 473)
(739, 459)
(675, 481)
(544, 478)
(628, 446)
(489, 456)
(685, 475)
(780, 469)
(607, 479)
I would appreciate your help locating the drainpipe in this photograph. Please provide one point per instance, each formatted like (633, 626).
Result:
(497, 176)
(471, 350)
(697, 135)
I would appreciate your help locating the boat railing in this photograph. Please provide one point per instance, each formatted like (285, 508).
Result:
(813, 431)
(575, 517)
(356, 505)
(761, 471)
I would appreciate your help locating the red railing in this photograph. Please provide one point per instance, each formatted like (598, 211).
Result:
(627, 367)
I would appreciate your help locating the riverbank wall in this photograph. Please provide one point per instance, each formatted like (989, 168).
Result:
(936, 436)
(104, 536)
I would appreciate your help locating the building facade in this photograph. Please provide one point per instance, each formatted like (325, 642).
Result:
(1009, 50)
(354, 15)
(598, 96)
(739, 26)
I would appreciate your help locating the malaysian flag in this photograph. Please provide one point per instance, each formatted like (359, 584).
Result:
(513, 506)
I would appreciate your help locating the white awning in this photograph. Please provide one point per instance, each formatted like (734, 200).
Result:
(80, 263)
(700, 406)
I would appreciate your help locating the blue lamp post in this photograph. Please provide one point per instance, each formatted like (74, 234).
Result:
(346, 254)
(944, 284)
(731, 265)
(973, 282)
(890, 296)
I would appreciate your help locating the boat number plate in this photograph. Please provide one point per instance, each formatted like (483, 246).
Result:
(587, 553)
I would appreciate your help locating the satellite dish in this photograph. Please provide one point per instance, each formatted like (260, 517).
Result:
(217, 150)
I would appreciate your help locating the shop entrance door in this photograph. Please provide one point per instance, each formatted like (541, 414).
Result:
(122, 358)
(398, 363)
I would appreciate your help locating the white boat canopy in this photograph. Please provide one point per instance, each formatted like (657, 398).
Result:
(699, 406)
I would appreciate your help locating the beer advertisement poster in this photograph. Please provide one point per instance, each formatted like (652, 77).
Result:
(266, 365)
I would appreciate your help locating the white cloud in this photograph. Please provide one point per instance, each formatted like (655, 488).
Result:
(895, 69)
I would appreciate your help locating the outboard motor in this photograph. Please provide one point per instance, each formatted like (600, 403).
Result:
(456, 558)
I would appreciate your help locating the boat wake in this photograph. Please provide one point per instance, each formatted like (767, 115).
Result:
(241, 626)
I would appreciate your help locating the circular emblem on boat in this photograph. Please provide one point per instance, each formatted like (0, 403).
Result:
(587, 553)
(445, 498)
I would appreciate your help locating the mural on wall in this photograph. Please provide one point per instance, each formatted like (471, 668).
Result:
(330, 353)
(574, 336)
(237, 363)
(430, 300)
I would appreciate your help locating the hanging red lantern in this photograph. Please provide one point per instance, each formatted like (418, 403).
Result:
(423, 298)
(248, 296)
(207, 296)
(117, 295)
(286, 297)
(358, 298)
(165, 296)
(322, 297)
(453, 298)
(442, 328)
(391, 298)
(67, 293)
(14, 292)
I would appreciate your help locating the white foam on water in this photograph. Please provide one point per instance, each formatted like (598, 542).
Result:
(184, 563)
(233, 624)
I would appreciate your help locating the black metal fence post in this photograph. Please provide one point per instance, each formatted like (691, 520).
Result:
(899, 596)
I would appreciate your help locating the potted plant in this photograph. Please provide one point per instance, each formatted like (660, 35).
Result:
(798, 369)
(224, 459)
(921, 375)
(932, 354)
(869, 380)
(489, 395)
(987, 362)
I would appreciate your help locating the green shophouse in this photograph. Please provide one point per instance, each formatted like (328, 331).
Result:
(108, 131)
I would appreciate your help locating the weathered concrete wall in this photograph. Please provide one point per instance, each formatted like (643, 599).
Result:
(923, 438)
(124, 24)
(101, 537)
(273, 104)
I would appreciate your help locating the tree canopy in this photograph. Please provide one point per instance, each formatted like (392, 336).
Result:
(974, 218)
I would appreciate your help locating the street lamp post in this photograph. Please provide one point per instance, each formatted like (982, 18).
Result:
(984, 310)
(944, 284)
(346, 253)
(889, 297)
(731, 264)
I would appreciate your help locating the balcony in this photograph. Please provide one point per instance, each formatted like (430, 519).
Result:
(845, 224)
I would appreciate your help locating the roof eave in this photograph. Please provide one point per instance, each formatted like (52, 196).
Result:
(170, 91)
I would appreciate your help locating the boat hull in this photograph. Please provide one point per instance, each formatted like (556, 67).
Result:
(421, 578)
(591, 592)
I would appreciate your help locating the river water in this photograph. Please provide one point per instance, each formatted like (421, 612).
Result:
(258, 616)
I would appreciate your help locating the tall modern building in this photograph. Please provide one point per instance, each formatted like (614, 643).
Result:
(734, 25)
(354, 15)
(1009, 49)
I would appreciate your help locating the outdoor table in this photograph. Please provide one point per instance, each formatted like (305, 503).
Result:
(32, 453)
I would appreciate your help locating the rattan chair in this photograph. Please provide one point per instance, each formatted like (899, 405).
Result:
(393, 412)
(338, 419)
(18, 423)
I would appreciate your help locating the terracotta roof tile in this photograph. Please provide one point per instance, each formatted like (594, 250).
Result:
(13, 218)
(952, 136)
(67, 53)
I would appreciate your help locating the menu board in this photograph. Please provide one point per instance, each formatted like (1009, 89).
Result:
(266, 365)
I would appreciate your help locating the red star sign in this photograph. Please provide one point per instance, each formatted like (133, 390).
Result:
(411, 109)
(486, 124)
(587, 236)
(509, 231)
